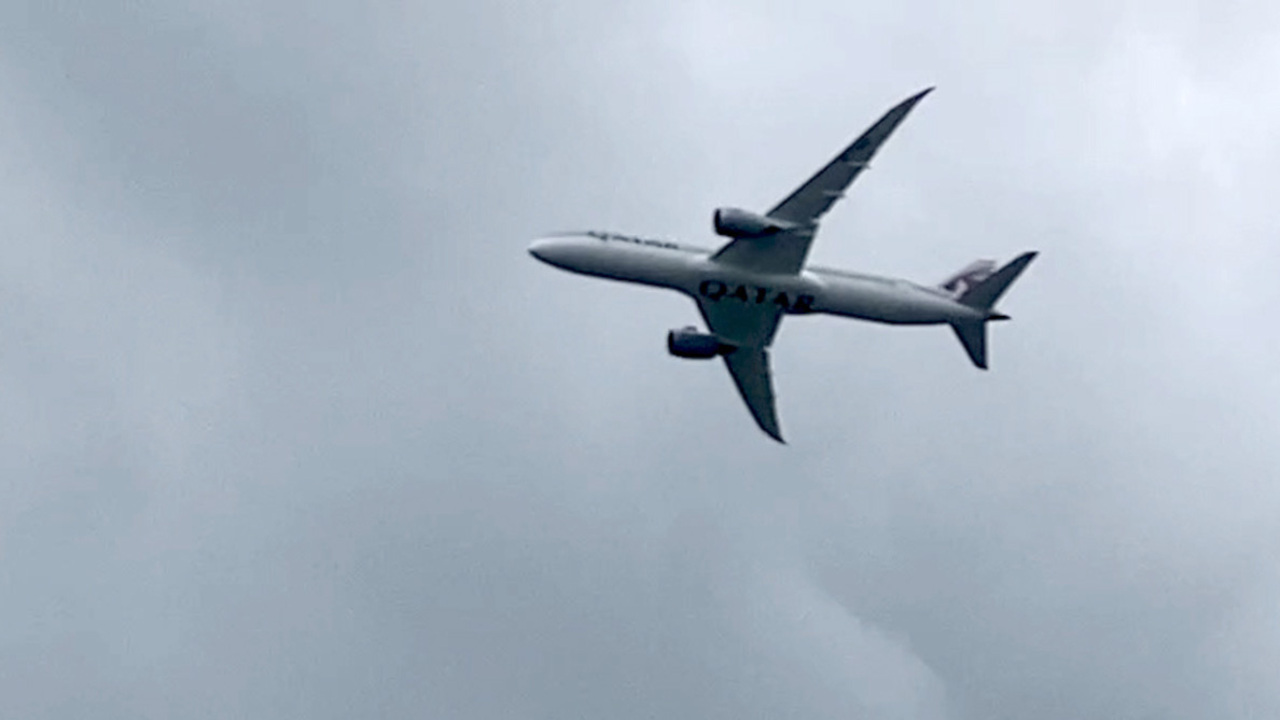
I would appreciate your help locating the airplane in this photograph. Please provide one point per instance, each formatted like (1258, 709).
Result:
(745, 287)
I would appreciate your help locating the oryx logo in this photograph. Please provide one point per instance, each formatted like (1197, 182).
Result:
(717, 290)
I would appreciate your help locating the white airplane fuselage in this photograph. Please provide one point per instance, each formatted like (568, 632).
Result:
(692, 271)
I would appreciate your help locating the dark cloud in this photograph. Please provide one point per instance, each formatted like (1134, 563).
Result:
(292, 425)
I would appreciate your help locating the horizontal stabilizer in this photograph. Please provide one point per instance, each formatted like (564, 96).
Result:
(985, 294)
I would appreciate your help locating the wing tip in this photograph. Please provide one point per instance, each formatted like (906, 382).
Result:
(768, 422)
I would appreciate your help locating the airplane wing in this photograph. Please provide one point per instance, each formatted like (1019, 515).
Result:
(741, 324)
(749, 367)
(811, 200)
(751, 329)
(785, 251)
(782, 252)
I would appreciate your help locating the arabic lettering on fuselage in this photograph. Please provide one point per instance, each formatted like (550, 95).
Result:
(616, 237)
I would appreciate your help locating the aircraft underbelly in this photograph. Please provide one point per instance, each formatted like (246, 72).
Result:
(638, 265)
(884, 301)
(707, 281)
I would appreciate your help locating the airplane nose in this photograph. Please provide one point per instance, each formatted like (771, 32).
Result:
(538, 249)
(563, 251)
(551, 250)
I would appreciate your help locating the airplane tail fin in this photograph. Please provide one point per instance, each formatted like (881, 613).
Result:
(983, 296)
(968, 276)
(973, 336)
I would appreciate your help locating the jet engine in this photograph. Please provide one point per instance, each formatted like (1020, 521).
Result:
(735, 223)
(690, 344)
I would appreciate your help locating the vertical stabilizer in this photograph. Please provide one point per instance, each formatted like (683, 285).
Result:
(967, 277)
(973, 336)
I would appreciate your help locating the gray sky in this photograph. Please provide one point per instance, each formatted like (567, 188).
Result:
(293, 427)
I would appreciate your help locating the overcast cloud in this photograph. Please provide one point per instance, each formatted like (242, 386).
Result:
(292, 426)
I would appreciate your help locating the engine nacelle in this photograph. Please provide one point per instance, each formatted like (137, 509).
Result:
(690, 344)
(736, 223)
